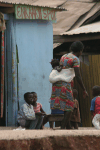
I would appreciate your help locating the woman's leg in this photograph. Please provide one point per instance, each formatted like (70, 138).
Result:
(75, 125)
(66, 120)
(68, 126)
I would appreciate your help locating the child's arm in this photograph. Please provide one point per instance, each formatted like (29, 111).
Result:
(92, 114)
(92, 107)
(43, 112)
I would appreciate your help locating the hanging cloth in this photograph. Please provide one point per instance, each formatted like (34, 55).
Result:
(2, 28)
(2, 73)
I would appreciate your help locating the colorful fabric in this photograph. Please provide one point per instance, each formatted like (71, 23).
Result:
(95, 105)
(62, 97)
(26, 112)
(69, 61)
(2, 22)
(2, 74)
(76, 113)
(37, 108)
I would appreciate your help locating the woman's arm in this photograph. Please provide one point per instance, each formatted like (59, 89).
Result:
(78, 77)
(79, 80)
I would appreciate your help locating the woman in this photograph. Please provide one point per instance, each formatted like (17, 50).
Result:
(62, 97)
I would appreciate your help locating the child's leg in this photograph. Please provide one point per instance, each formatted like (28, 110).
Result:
(22, 123)
(75, 125)
(96, 121)
(35, 124)
(40, 122)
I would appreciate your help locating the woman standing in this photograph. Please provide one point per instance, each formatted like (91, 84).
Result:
(62, 97)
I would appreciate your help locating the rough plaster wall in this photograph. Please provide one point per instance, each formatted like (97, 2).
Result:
(35, 47)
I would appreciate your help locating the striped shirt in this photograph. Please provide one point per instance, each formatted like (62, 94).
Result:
(37, 108)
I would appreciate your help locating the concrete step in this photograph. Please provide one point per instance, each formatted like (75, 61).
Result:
(48, 139)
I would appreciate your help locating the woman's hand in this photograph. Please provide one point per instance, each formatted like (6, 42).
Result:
(85, 94)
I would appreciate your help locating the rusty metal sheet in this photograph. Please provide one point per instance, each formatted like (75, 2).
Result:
(91, 28)
(42, 3)
(66, 19)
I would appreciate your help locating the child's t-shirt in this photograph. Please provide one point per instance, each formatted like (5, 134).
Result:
(95, 105)
(76, 113)
(37, 108)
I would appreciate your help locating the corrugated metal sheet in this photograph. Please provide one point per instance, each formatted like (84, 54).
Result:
(66, 19)
(81, 21)
(91, 28)
(56, 45)
(91, 74)
(41, 3)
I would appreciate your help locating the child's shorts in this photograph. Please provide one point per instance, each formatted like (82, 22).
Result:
(96, 121)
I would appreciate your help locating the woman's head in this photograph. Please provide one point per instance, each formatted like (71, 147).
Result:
(77, 48)
(54, 63)
(96, 90)
(28, 98)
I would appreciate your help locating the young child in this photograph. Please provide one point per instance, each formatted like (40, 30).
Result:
(75, 118)
(26, 116)
(95, 107)
(39, 110)
(56, 65)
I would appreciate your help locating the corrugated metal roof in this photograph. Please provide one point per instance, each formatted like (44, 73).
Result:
(56, 45)
(91, 28)
(81, 21)
(66, 19)
(41, 3)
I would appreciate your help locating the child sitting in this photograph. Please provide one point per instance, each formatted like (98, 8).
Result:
(38, 109)
(95, 107)
(75, 118)
(26, 116)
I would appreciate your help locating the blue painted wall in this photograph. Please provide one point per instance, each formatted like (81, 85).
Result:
(34, 39)
(35, 47)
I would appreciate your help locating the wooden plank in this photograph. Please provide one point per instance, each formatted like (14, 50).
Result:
(7, 10)
(80, 37)
(5, 5)
(30, 12)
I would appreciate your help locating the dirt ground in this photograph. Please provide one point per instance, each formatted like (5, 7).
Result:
(48, 139)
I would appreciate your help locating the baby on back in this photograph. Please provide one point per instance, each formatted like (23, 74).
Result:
(60, 74)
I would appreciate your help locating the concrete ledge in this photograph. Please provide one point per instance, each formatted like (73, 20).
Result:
(50, 140)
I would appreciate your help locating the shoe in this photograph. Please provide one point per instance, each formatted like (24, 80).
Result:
(19, 128)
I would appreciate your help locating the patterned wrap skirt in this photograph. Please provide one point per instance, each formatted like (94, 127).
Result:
(62, 96)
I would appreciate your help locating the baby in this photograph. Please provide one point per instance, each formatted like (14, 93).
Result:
(56, 65)
(60, 74)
